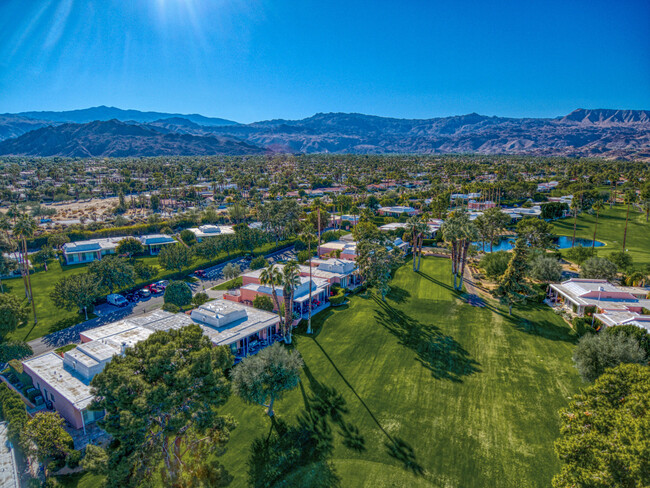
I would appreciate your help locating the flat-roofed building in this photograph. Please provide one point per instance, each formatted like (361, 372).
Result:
(397, 211)
(90, 250)
(205, 231)
(577, 293)
(94, 249)
(155, 242)
(9, 477)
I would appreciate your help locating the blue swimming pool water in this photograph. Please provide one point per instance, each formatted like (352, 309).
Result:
(563, 242)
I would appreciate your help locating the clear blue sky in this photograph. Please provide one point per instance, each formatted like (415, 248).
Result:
(260, 59)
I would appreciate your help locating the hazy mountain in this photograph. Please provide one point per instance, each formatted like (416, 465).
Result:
(599, 133)
(584, 132)
(119, 139)
(109, 113)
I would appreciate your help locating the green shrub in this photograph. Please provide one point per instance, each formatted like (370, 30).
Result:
(170, 307)
(73, 459)
(199, 299)
(580, 254)
(263, 303)
(338, 298)
(13, 411)
(582, 326)
(259, 262)
(178, 293)
(302, 256)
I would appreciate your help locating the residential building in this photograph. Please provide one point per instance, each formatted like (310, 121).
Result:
(9, 475)
(90, 250)
(94, 249)
(205, 231)
(480, 206)
(65, 380)
(397, 211)
(155, 242)
(577, 294)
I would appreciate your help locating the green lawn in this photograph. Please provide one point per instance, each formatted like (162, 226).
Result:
(611, 224)
(229, 285)
(50, 318)
(472, 392)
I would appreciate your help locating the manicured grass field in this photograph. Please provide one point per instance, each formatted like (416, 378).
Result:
(611, 224)
(438, 393)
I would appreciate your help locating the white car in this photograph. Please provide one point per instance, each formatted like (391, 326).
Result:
(117, 300)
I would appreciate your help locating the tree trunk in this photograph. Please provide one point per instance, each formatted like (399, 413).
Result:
(414, 249)
(277, 304)
(309, 318)
(510, 309)
(575, 218)
(269, 410)
(287, 317)
(627, 215)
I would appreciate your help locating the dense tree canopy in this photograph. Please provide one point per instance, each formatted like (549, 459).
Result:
(605, 437)
(161, 401)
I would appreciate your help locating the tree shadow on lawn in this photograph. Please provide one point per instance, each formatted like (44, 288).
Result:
(457, 293)
(439, 353)
(397, 294)
(396, 447)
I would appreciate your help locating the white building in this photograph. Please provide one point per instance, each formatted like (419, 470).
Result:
(205, 231)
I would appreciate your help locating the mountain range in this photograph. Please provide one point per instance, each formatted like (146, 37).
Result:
(108, 131)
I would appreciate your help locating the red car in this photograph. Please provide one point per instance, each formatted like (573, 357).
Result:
(153, 289)
(200, 273)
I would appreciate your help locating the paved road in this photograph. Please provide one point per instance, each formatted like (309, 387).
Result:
(108, 313)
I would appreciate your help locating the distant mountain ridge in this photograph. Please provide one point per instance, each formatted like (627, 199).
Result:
(606, 133)
(114, 138)
(105, 113)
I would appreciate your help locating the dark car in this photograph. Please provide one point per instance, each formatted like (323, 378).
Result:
(200, 273)
(132, 297)
(144, 293)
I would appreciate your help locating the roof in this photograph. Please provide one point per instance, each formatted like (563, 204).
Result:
(8, 470)
(212, 230)
(152, 239)
(106, 244)
(227, 322)
(602, 294)
(301, 290)
(49, 367)
(397, 209)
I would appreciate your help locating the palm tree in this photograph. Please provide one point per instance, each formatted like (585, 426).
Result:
(272, 277)
(597, 207)
(575, 206)
(417, 228)
(307, 236)
(23, 229)
(630, 198)
(290, 280)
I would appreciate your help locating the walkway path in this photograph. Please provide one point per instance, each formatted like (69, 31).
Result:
(108, 313)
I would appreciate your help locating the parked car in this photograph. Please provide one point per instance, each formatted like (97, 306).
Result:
(117, 300)
(162, 285)
(154, 290)
(200, 273)
(144, 293)
(132, 297)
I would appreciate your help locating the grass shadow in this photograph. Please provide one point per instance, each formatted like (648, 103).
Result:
(439, 353)
(440, 283)
(392, 444)
(397, 294)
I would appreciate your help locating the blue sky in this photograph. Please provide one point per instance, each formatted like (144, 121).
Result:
(261, 59)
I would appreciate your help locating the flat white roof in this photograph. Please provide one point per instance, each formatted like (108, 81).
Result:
(252, 322)
(8, 471)
(49, 367)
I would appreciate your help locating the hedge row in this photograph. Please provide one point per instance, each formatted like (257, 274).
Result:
(13, 411)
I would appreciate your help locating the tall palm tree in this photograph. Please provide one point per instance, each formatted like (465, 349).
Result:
(290, 280)
(23, 229)
(307, 236)
(630, 198)
(417, 228)
(272, 277)
(597, 207)
(575, 206)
